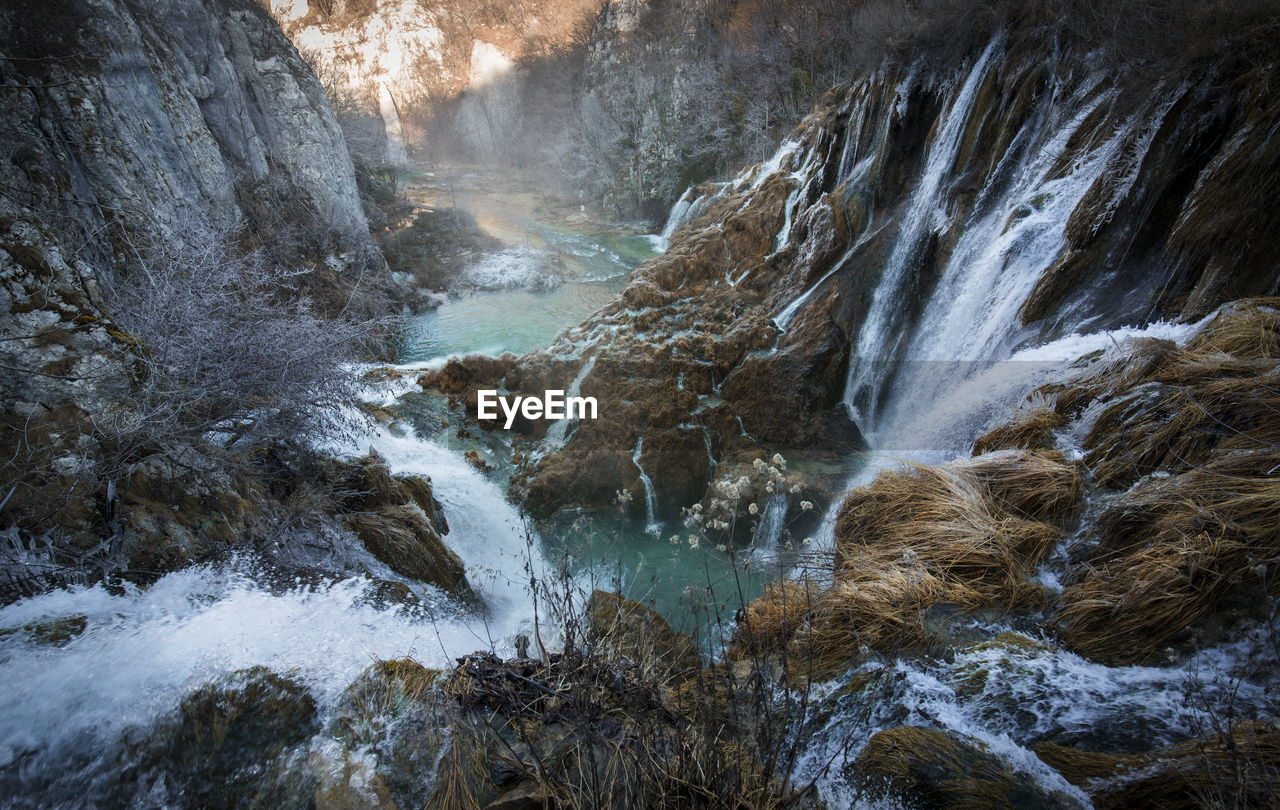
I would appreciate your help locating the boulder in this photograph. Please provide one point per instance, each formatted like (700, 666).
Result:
(927, 768)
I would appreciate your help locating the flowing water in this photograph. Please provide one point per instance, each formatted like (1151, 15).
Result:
(141, 650)
(923, 389)
(559, 266)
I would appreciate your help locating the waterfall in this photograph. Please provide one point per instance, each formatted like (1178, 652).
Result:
(650, 503)
(689, 207)
(772, 521)
(910, 382)
(485, 529)
(556, 434)
(677, 217)
(925, 214)
(142, 650)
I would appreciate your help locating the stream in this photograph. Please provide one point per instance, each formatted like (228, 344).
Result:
(132, 654)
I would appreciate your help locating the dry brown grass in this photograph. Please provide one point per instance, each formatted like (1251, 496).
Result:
(886, 609)
(1174, 428)
(1032, 430)
(1246, 329)
(968, 524)
(1039, 486)
(1136, 362)
(1173, 551)
(1171, 408)
(772, 620)
(1239, 768)
(931, 768)
(967, 535)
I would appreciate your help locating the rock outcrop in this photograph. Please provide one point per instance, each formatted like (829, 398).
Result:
(131, 125)
(128, 118)
(442, 76)
(940, 222)
(401, 523)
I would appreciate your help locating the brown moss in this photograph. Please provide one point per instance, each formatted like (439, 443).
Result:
(771, 621)
(402, 537)
(641, 635)
(1032, 430)
(463, 374)
(1236, 768)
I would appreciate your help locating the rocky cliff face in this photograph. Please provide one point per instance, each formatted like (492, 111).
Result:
(131, 124)
(425, 75)
(129, 116)
(942, 222)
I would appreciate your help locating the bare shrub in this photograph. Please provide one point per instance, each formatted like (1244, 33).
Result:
(225, 346)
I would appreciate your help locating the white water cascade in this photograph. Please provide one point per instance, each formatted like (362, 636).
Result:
(689, 207)
(882, 330)
(772, 521)
(142, 650)
(556, 434)
(651, 524)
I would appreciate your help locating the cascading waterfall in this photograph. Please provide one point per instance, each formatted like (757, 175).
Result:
(556, 434)
(970, 323)
(880, 335)
(650, 502)
(689, 207)
(923, 383)
(773, 520)
(143, 650)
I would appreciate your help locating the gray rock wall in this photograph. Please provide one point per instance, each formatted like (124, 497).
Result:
(124, 116)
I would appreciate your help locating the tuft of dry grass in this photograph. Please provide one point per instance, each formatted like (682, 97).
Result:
(771, 621)
(1235, 768)
(1032, 430)
(967, 534)
(926, 767)
(1245, 329)
(972, 524)
(1168, 427)
(1173, 551)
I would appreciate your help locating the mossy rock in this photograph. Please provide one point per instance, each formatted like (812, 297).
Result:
(236, 743)
(640, 634)
(403, 537)
(1239, 767)
(51, 632)
(379, 696)
(347, 781)
(928, 768)
(384, 594)
(391, 706)
(973, 679)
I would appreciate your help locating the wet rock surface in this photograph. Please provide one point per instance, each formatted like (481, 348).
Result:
(935, 769)
(401, 523)
(787, 303)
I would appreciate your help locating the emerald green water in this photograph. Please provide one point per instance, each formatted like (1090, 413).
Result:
(559, 266)
(696, 586)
